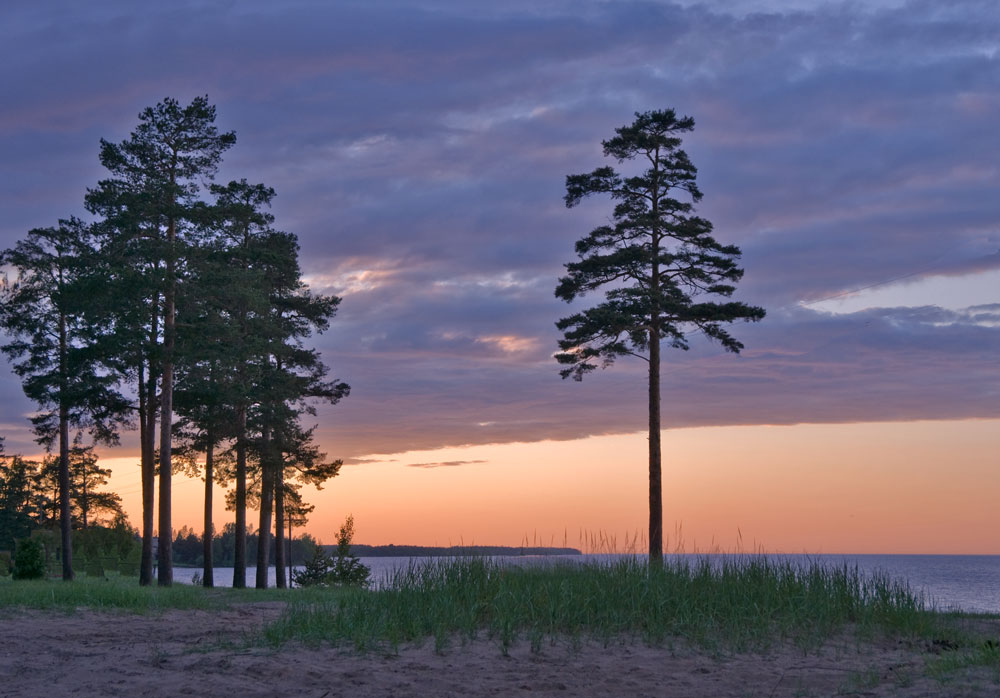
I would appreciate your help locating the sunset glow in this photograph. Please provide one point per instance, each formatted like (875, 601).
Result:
(836, 488)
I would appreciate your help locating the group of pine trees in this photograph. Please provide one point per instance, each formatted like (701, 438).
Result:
(181, 311)
(29, 494)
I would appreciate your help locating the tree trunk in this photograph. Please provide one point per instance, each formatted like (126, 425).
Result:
(279, 524)
(65, 522)
(291, 564)
(655, 477)
(655, 484)
(165, 576)
(266, 500)
(207, 577)
(240, 552)
(147, 439)
(84, 503)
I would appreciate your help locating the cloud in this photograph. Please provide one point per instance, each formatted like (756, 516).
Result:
(801, 366)
(420, 149)
(367, 461)
(445, 464)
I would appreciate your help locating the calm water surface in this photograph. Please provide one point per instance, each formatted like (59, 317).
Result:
(948, 582)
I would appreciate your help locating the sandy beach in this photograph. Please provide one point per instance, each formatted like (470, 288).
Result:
(200, 653)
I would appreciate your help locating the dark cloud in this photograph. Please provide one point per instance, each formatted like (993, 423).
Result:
(419, 150)
(366, 461)
(445, 464)
(801, 366)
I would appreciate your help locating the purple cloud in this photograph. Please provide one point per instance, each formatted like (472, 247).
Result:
(419, 150)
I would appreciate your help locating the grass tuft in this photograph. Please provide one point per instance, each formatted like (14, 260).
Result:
(981, 654)
(736, 602)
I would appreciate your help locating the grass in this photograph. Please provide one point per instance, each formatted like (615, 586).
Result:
(738, 603)
(982, 653)
(122, 594)
(725, 603)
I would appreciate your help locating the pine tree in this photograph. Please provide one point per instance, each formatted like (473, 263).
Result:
(52, 349)
(211, 355)
(293, 378)
(151, 205)
(260, 306)
(294, 512)
(92, 505)
(300, 462)
(237, 308)
(21, 504)
(656, 259)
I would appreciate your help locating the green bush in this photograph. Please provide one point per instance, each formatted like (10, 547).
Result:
(5, 563)
(316, 570)
(343, 570)
(347, 570)
(29, 560)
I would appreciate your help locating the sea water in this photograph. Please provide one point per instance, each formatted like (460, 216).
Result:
(947, 582)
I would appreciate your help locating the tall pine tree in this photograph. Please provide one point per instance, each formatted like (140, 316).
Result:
(151, 205)
(293, 378)
(300, 462)
(237, 308)
(52, 350)
(656, 259)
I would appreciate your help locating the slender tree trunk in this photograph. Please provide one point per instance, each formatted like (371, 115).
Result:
(165, 576)
(65, 522)
(207, 577)
(240, 552)
(291, 563)
(655, 465)
(84, 503)
(266, 500)
(147, 438)
(279, 524)
(655, 484)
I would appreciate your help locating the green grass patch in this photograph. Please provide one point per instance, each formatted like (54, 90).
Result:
(122, 594)
(983, 653)
(730, 603)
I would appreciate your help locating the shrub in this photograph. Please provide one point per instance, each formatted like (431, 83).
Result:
(343, 570)
(29, 560)
(347, 570)
(316, 570)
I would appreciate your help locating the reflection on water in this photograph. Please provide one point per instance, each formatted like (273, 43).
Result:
(949, 582)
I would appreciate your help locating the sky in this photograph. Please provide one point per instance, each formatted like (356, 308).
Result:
(419, 150)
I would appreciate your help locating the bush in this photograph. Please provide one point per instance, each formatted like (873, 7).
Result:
(29, 560)
(343, 570)
(316, 570)
(5, 563)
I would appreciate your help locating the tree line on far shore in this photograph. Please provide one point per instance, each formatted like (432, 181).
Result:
(189, 549)
(179, 307)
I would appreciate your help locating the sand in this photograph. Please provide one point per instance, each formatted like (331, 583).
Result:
(199, 653)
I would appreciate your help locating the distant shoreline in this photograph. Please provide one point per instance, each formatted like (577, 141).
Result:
(452, 551)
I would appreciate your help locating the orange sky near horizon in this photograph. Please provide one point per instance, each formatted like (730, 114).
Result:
(909, 487)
